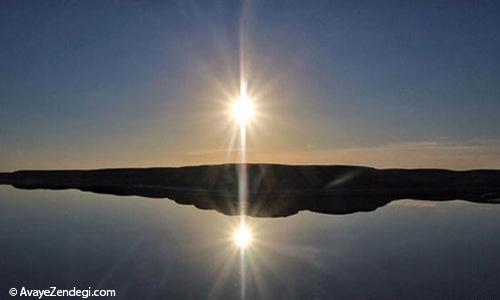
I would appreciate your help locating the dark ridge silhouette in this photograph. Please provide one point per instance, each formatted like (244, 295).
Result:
(274, 190)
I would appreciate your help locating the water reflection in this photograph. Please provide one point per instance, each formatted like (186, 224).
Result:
(151, 248)
(154, 249)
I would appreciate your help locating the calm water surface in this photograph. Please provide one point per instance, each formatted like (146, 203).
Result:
(153, 248)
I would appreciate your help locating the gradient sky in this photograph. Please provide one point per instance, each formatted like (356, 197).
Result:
(90, 84)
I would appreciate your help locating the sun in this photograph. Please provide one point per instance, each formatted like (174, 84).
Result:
(243, 236)
(242, 109)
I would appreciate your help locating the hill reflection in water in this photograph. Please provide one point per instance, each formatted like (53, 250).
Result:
(274, 190)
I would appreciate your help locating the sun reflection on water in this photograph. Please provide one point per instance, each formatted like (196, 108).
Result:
(243, 236)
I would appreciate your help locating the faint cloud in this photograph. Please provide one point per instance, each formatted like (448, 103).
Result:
(420, 154)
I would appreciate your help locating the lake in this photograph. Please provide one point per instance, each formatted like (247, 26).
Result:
(154, 248)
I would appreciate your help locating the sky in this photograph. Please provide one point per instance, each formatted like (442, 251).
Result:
(94, 84)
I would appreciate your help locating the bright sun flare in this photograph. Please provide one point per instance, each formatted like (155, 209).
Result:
(243, 236)
(242, 109)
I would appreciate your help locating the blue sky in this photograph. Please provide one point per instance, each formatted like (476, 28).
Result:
(114, 83)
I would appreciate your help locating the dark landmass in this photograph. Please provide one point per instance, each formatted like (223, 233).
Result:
(274, 190)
